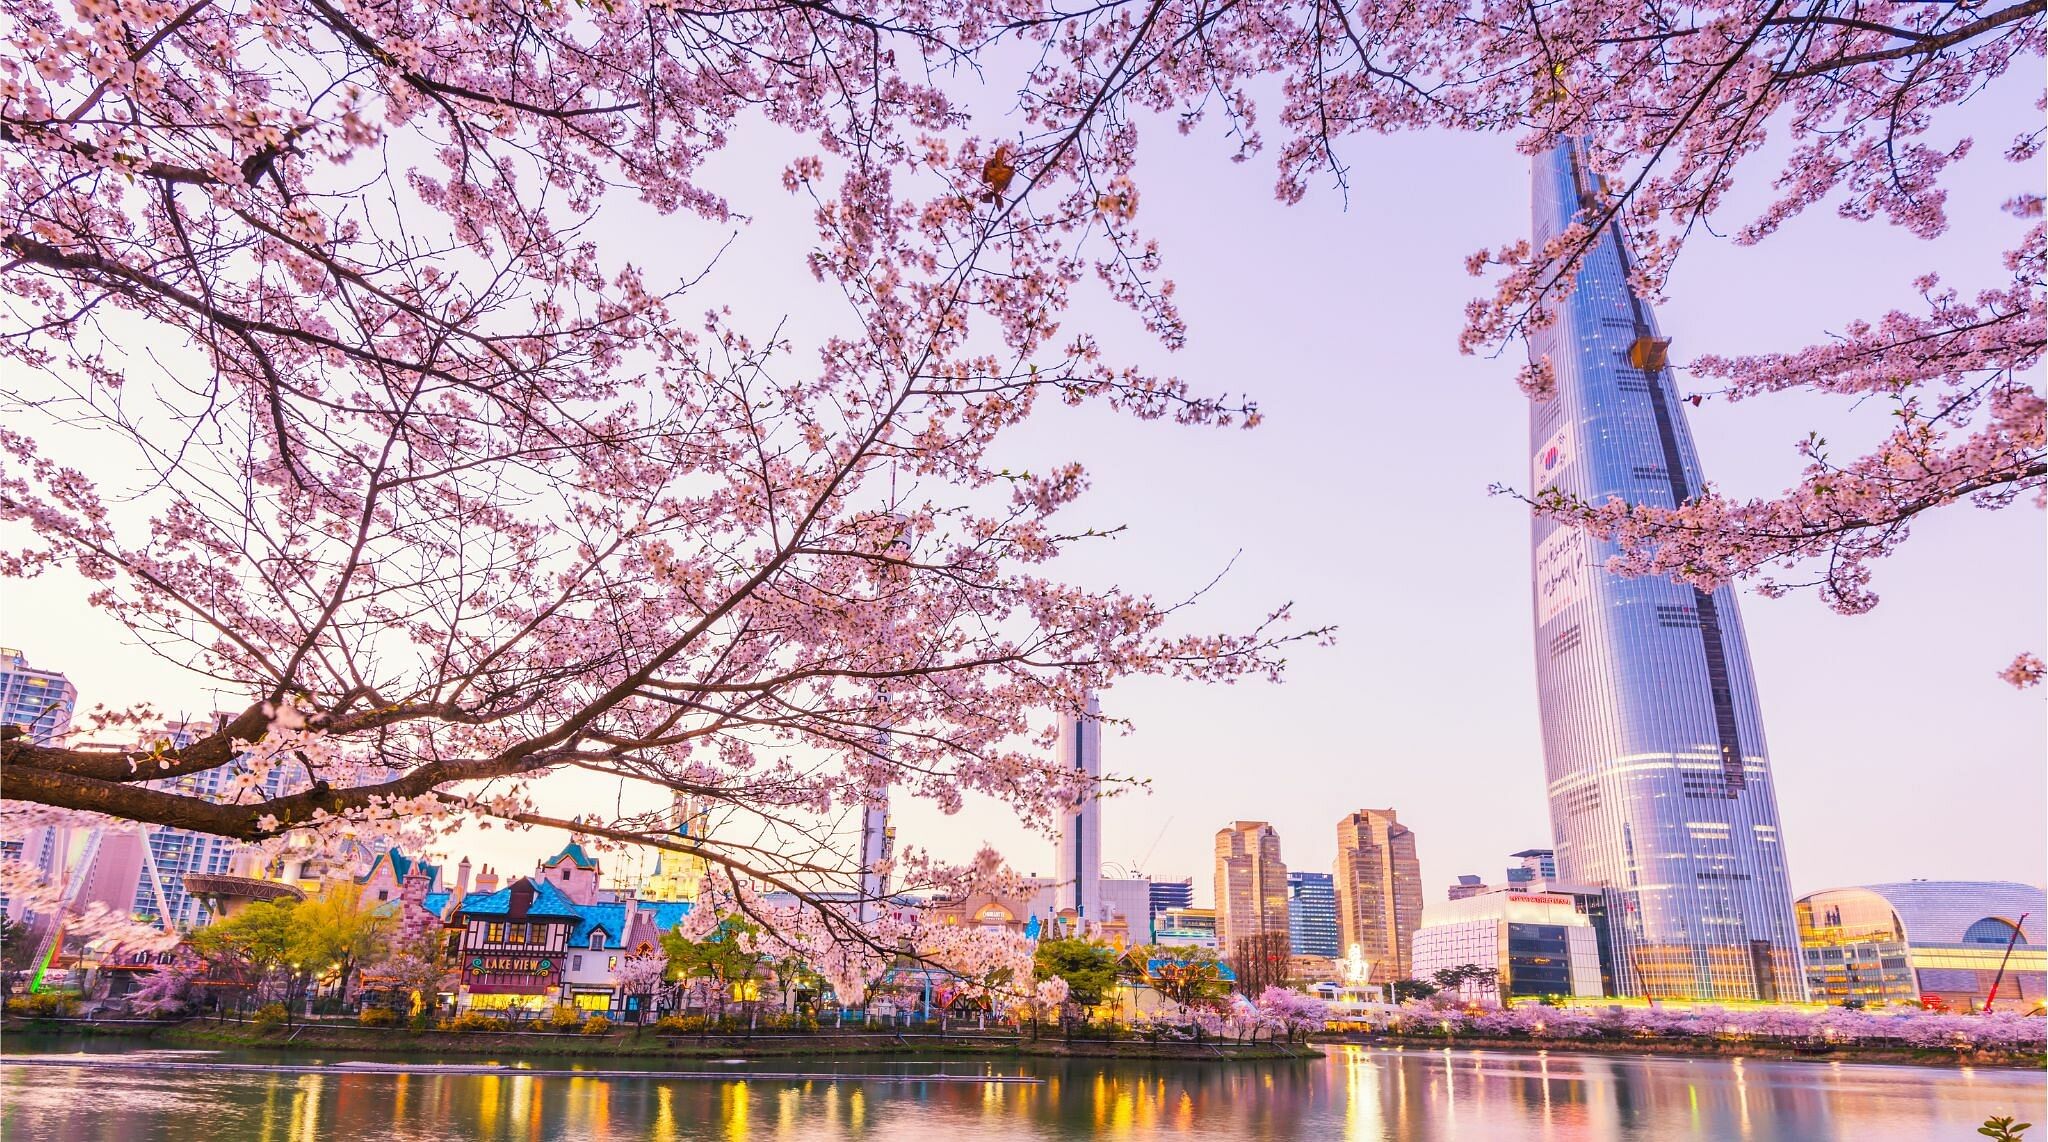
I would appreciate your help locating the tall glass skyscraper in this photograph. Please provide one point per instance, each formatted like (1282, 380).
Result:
(1312, 914)
(1659, 782)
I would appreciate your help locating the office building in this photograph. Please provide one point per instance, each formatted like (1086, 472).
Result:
(1659, 780)
(1251, 883)
(1312, 914)
(1538, 944)
(1379, 891)
(1185, 926)
(1171, 894)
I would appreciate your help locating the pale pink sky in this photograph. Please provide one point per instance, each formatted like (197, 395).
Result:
(1363, 499)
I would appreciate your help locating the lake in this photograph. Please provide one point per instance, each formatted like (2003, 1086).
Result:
(50, 1094)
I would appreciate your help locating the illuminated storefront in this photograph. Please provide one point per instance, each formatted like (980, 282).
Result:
(513, 944)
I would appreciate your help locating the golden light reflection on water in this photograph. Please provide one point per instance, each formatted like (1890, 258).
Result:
(1122, 1111)
(525, 1099)
(733, 1100)
(1362, 1114)
(1742, 1096)
(306, 1109)
(490, 1090)
(1353, 1093)
(664, 1113)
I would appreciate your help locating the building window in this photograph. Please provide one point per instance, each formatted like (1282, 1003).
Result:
(575, 963)
(494, 933)
(597, 941)
(565, 874)
(383, 894)
(1992, 930)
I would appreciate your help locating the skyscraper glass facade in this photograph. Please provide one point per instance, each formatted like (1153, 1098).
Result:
(1312, 914)
(1659, 781)
(1251, 884)
(1379, 891)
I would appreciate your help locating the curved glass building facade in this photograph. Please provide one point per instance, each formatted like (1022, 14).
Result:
(1961, 944)
(1659, 782)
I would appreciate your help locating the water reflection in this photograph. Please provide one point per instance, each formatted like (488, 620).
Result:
(1351, 1093)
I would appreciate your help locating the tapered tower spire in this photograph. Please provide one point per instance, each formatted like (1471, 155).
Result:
(1660, 785)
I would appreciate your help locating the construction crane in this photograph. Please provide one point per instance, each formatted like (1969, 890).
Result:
(2006, 959)
(1137, 869)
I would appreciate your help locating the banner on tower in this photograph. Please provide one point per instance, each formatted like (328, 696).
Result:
(1564, 573)
(1552, 458)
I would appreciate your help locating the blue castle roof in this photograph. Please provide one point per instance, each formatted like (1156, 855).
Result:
(612, 918)
(572, 851)
(548, 902)
(401, 867)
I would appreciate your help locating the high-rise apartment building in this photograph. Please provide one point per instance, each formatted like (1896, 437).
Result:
(40, 702)
(1312, 914)
(1080, 848)
(1379, 891)
(1659, 782)
(1251, 883)
(175, 852)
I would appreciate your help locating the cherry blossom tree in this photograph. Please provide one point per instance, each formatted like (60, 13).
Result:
(1858, 104)
(1859, 107)
(1292, 1013)
(641, 976)
(326, 383)
(446, 496)
(1912, 1027)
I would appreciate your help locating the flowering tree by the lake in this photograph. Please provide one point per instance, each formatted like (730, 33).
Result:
(1909, 1027)
(321, 373)
(1290, 1014)
(449, 496)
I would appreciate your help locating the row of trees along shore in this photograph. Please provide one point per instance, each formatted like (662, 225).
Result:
(264, 963)
(330, 376)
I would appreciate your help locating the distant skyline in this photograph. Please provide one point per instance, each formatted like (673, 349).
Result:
(1363, 499)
